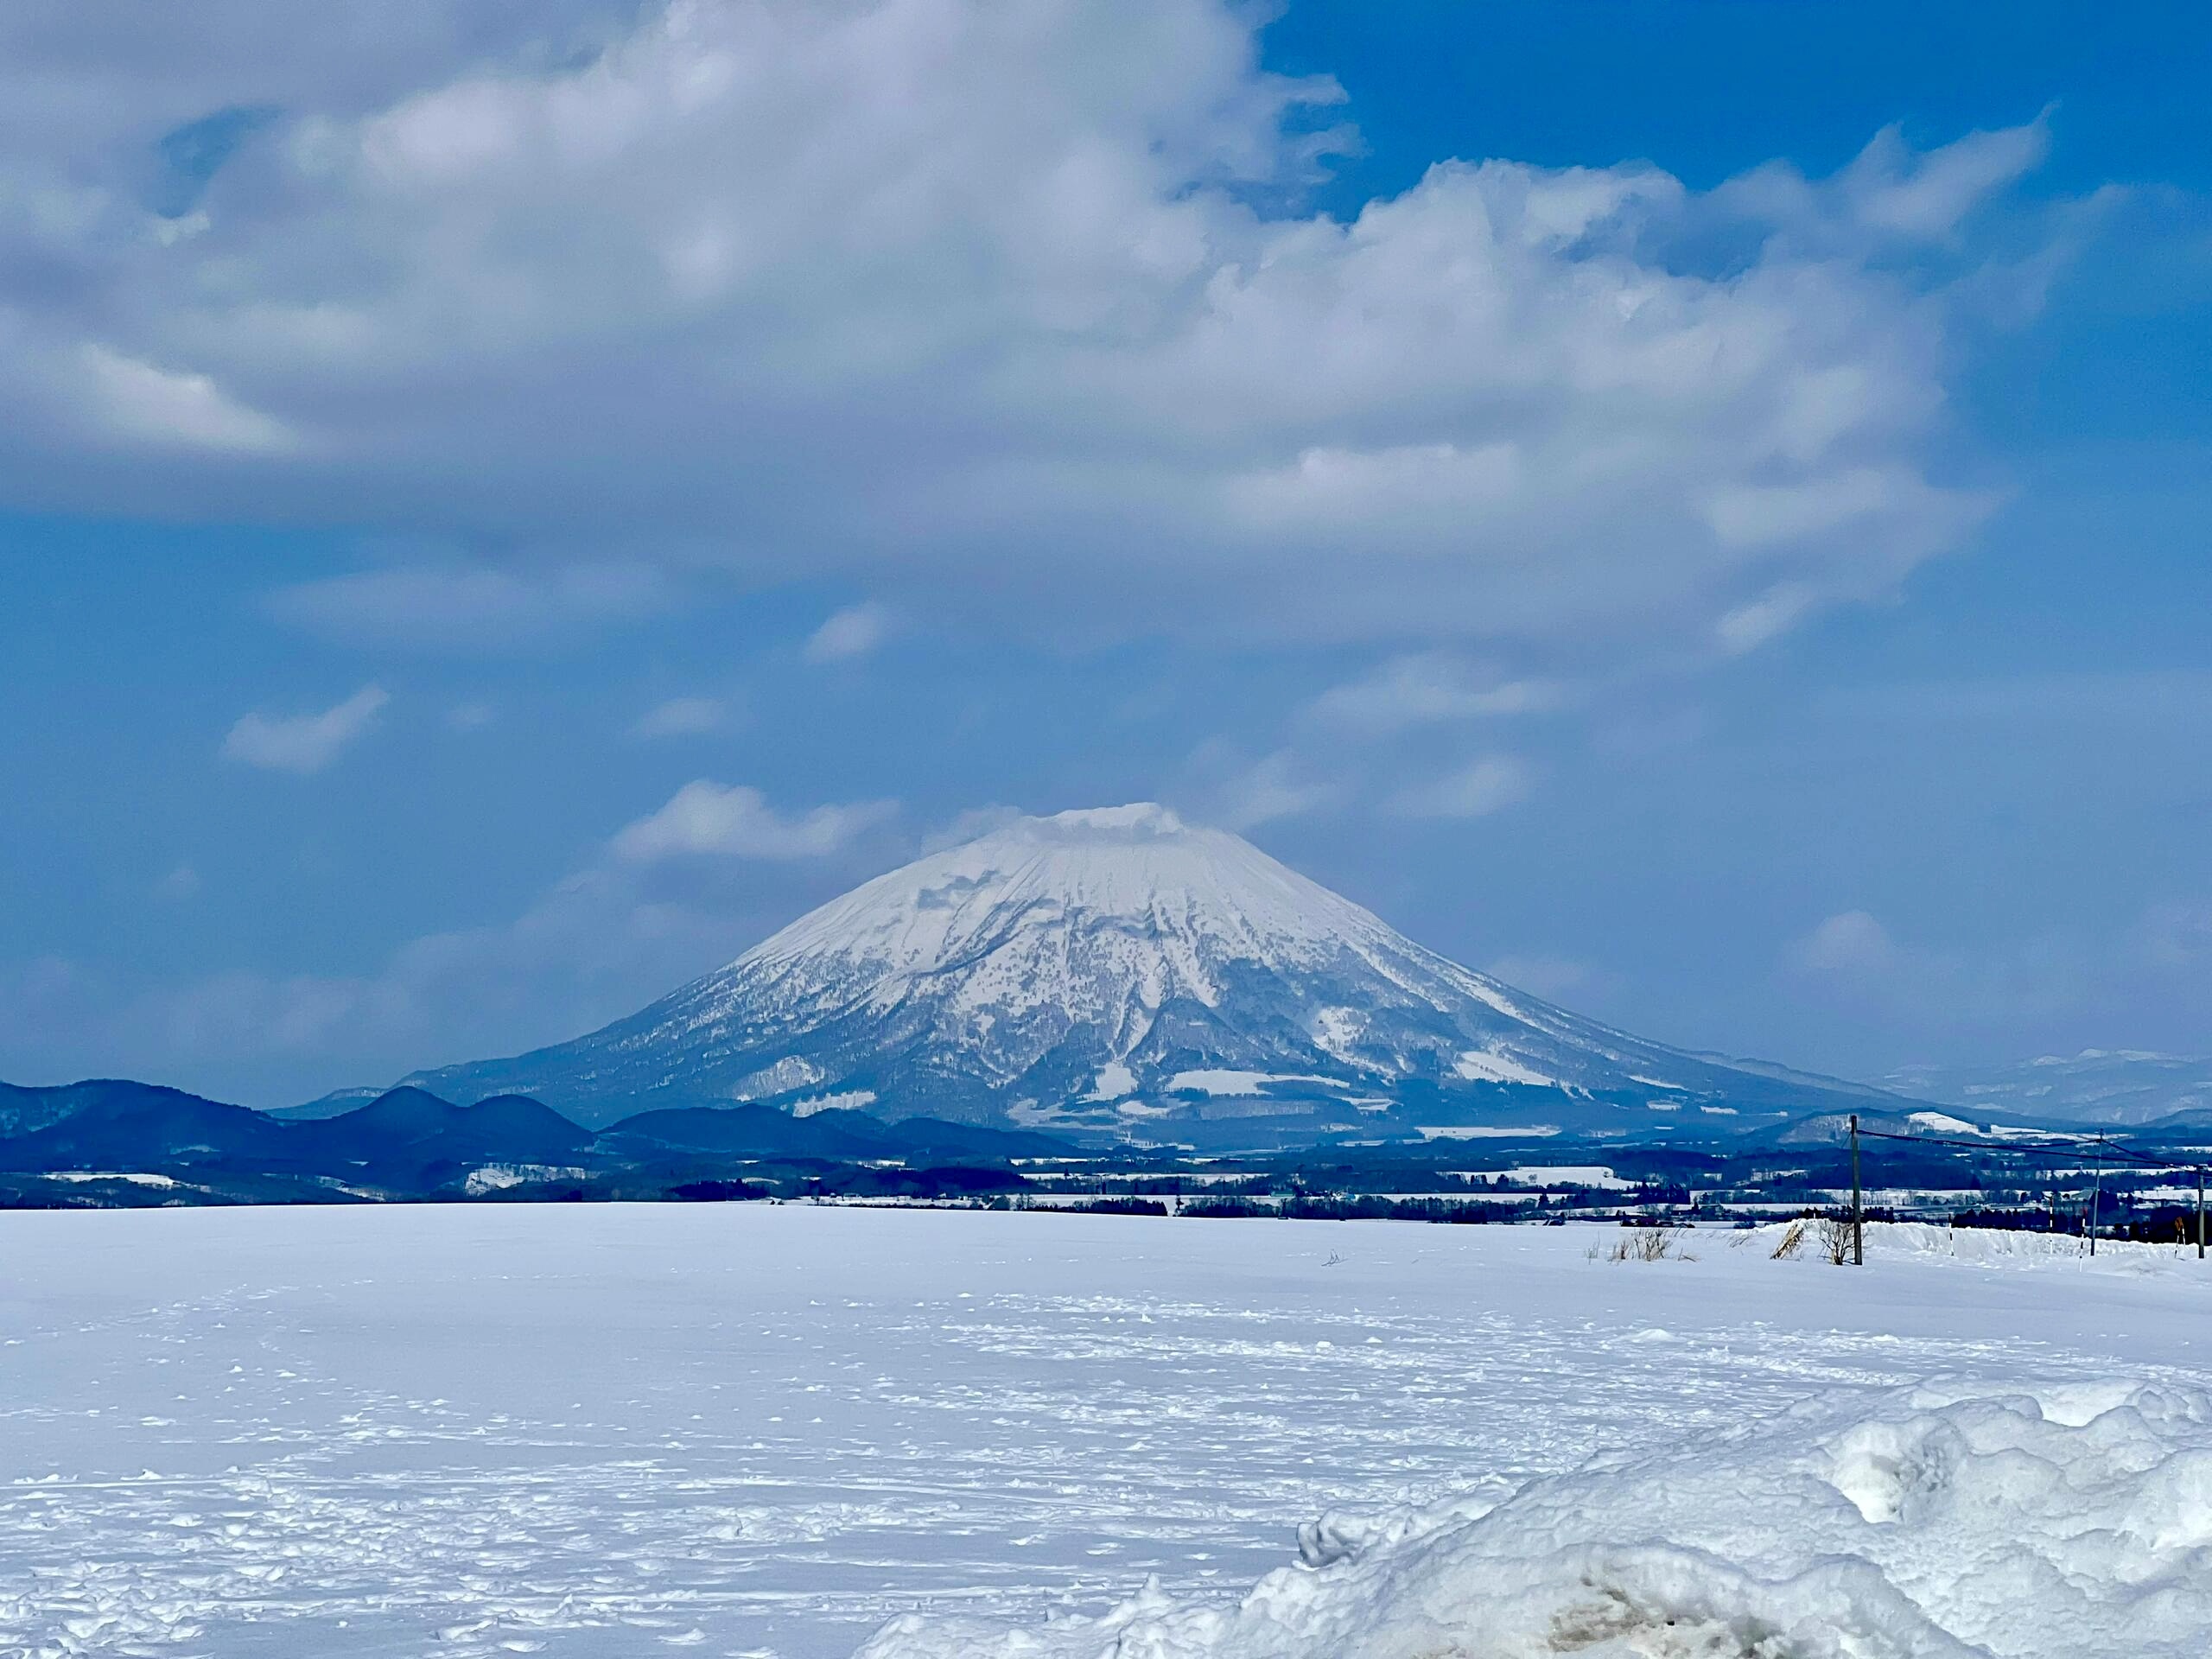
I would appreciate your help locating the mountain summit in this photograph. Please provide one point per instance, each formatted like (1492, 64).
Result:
(1119, 970)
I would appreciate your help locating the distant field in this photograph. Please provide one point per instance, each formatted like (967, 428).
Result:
(749, 1429)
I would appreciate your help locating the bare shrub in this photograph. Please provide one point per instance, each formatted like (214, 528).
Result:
(1652, 1245)
(1793, 1240)
(1836, 1239)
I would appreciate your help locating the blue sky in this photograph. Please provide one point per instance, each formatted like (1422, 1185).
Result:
(1730, 555)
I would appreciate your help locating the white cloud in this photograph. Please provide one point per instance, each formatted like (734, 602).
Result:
(1850, 944)
(986, 322)
(466, 608)
(1269, 789)
(1750, 625)
(141, 402)
(682, 717)
(735, 821)
(852, 633)
(303, 743)
(1430, 686)
(1927, 196)
(1474, 791)
(969, 825)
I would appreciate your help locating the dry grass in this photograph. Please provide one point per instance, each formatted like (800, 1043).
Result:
(1652, 1245)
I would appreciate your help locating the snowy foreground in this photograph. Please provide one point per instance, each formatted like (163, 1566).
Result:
(762, 1430)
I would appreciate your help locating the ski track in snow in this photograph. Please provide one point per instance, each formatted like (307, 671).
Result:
(754, 1430)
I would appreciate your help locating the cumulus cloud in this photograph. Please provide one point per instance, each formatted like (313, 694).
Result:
(1474, 791)
(1010, 310)
(682, 717)
(735, 821)
(852, 633)
(303, 743)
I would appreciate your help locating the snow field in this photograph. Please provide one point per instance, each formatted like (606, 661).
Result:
(756, 1430)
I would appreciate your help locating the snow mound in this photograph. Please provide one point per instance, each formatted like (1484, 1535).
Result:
(1989, 1247)
(2070, 1521)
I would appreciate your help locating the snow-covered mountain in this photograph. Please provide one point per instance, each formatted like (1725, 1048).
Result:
(1121, 970)
(2098, 1085)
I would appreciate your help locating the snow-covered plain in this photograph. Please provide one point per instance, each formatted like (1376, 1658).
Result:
(743, 1429)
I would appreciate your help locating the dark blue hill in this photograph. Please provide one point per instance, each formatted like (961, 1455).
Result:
(409, 1142)
(22, 1110)
(109, 1124)
(511, 1129)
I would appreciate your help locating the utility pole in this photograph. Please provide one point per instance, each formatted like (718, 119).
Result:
(1858, 1211)
(2200, 1212)
(2096, 1197)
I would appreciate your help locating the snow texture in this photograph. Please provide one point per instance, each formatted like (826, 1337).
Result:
(2064, 1519)
(1094, 968)
(463, 1431)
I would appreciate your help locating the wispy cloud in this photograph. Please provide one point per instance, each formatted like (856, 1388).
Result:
(303, 743)
(1474, 791)
(682, 717)
(855, 632)
(1275, 787)
(735, 821)
(1429, 687)
(466, 608)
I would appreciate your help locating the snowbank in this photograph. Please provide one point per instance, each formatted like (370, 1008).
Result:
(2074, 1521)
(1985, 1247)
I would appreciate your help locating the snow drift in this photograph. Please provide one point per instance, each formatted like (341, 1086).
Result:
(2072, 1520)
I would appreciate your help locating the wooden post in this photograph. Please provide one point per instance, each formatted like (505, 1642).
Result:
(1857, 1211)
(2097, 1194)
(2200, 1212)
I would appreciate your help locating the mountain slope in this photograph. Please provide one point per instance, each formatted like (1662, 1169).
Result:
(2096, 1086)
(1112, 970)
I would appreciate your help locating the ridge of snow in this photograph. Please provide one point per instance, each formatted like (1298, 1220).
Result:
(2045, 1522)
(1489, 1065)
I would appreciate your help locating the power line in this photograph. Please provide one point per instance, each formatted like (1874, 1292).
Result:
(2098, 1149)
(2108, 1150)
